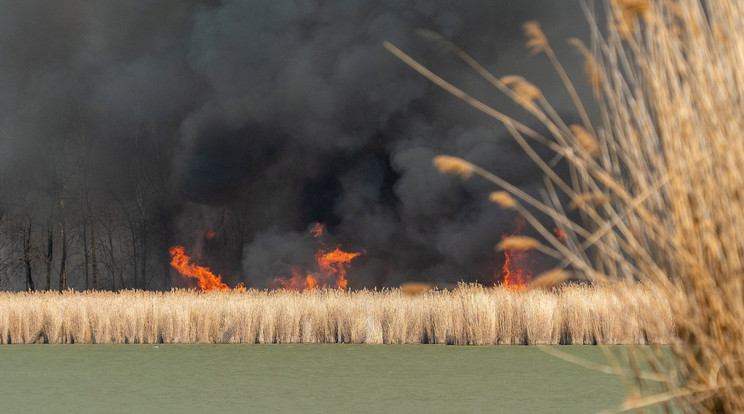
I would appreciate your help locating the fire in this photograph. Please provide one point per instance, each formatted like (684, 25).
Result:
(332, 265)
(297, 282)
(559, 234)
(514, 277)
(317, 230)
(209, 234)
(207, 279)
(311, 282)
(514, 274)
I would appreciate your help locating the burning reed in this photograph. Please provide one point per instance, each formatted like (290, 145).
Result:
(468, 315)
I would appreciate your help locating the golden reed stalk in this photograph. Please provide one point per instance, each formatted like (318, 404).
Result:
(467, 315)
(656, 179)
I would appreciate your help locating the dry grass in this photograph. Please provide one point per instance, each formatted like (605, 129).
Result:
(657, 181)
(468, 315)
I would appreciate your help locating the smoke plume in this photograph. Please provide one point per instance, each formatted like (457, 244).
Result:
(132, 127)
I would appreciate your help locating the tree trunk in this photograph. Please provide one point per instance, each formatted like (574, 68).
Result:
(63, 238)
(27, 257)
(63, 259)
(93, 251)
(133, 232)
(143, 249)
(113, 262)
(88, 218)
(86, 253)
(50, 254)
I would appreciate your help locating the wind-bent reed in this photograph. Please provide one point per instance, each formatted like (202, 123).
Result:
(656, 178)
(468, 315)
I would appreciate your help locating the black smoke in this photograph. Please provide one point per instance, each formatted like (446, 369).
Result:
(152, 122)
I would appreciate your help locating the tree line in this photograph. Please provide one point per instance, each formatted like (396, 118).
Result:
(76, 213)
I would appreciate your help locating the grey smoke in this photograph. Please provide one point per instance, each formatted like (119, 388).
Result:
(259, 118)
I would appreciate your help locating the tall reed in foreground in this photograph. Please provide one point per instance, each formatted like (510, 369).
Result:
(468, 315)
(657, 180)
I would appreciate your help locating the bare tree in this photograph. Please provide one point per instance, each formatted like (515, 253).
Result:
(27, 255)
(93, 247)
(109, 246)
(49, 254)
(86, 255)
(63, 238)
(88, 221)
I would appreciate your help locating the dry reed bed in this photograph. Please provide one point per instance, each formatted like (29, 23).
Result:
(469, 315)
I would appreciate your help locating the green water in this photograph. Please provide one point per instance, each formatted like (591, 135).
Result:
(299, 378)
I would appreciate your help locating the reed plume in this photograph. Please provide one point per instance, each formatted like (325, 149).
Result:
(519, 243)
(656, 180)
(503, 199)
(453, 165)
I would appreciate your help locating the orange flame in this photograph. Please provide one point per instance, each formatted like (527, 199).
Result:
(559, 234)
(334, 263)
(515, 275)
(207, 280)
(297, 282)
(332, 266)
(209, 234)
(311, 282)
(317, 230)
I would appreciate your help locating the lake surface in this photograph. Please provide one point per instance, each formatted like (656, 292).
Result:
(329, 378)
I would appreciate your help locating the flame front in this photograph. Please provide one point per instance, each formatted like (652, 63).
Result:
(514, 276)
(296, 282)
(207, 279)
(332, 265)
(514, 273)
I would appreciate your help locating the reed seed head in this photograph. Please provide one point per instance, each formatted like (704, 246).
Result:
(586, 140)
(627, 11)
(453, 165)
(589, 198)
(518, 243)
(549, 279)
(526, 92)
(504, 199)
(536, 40)
(591, 68)
(635, 8)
